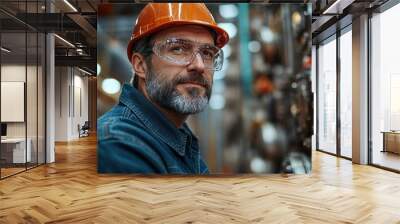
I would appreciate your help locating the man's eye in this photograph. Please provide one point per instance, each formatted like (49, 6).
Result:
(208, 54)
(177, 49)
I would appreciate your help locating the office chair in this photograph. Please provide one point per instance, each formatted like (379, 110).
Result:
(84, 130)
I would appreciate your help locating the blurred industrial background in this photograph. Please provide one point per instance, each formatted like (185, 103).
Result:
(259, 118)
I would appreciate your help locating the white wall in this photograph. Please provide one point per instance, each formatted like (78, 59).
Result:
(14, 73)
(17, 73)
(61, 103)
(71, 94)
(33, 126)
(80, 105)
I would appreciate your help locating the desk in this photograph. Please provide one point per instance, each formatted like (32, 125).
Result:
(391, 141)
(16, 147)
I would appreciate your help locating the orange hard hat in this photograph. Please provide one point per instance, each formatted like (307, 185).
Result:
(157, 16)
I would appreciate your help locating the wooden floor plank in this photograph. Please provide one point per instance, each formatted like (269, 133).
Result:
(71, 191)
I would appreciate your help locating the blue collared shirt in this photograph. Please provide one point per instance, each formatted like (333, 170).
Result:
(135, 137)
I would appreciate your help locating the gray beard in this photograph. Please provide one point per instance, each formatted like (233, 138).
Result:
(166, 95)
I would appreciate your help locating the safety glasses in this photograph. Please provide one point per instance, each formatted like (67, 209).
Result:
(182, 52)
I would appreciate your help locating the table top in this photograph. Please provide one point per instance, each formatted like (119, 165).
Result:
(13, 140)
(391, 132)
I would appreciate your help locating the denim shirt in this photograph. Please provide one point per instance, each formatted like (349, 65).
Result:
(135, 137)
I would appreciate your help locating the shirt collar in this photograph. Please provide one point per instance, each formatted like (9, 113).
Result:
(154, 119)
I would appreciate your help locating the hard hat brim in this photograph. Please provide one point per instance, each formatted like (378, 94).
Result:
(220, 40)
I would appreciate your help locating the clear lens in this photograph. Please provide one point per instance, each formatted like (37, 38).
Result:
(182, 52)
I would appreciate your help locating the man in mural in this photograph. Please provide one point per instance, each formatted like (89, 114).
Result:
(174, 50)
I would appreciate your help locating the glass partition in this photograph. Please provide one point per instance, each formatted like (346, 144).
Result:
(385, 89)
(13, 110)
(346, 93)
(22, 87)
(31, 98)
(41, 96)
(327, 96)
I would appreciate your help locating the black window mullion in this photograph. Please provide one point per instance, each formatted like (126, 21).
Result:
(369, 96)
(37, 90)
(338, 98)
(26, 86)
(316, 98)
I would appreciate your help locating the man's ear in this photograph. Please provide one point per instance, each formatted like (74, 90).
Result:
(139, 65)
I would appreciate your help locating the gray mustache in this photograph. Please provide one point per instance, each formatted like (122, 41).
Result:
(195, 78)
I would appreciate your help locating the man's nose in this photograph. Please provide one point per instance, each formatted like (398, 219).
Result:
(197, 63)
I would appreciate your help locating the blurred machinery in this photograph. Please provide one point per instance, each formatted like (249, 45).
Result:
(278, 118)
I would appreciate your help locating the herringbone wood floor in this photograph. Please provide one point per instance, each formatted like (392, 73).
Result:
(70, 191)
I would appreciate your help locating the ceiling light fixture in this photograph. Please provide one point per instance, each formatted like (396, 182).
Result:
(70, 5)
(337, 7)
(84, 71)
(5, 49)
(64, 40)
(331, 7)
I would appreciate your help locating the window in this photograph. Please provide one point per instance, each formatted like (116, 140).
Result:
(385, 88)
(22, 101)
(346, 93)
(327, 96)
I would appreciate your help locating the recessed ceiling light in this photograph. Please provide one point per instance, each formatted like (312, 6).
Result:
(84, 71)
(70, 5)
(5, 49)
(65, 41)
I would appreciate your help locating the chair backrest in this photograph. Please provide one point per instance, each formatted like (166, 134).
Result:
(86, 125)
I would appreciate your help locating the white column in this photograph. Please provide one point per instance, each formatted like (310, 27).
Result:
(50, 93)
(360, 90)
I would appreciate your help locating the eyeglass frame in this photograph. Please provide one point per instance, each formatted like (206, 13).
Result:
(155, 49)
